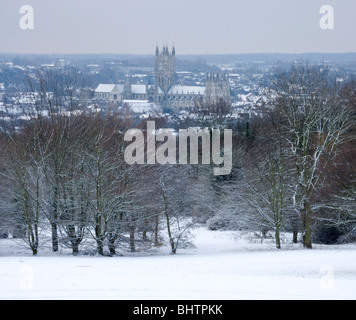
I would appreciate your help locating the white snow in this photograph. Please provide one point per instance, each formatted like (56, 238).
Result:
(138, 89)
(187, 90)
(222, 266)
(105, 88)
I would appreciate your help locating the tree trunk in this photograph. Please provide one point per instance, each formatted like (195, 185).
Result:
(307, 233)
(278, 238)
(74, 240)
(111, 246)
(75, 249)
(295, 219)
(132, 239)
(156, 231)
(54, 218)
(171, 240)
(54, 229)
(295, 236)
(100, 247)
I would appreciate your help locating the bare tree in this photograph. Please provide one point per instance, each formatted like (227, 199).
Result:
(316, 121)
(25, 170)
(260, 187)
(72, 190)
(176, 199)
(108, 177)
(56, 98)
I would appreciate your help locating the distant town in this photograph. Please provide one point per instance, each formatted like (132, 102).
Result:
(164, 84)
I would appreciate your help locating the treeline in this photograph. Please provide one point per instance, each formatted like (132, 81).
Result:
(296, 164)
(65, 176)
(64, 179)
(65, 182)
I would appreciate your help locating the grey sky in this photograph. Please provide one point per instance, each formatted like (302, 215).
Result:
(195, 26)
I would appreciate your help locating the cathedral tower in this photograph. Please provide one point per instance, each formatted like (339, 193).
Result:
(164, 72)
(128, 89)
(217, 88)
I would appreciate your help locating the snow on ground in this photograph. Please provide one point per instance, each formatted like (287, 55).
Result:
(221, 267)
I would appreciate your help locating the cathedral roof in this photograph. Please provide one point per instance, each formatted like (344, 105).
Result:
(105, 88)
(108, 88)
(138, 88)
(187, 90)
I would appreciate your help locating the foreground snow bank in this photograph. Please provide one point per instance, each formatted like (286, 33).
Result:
(220, 267)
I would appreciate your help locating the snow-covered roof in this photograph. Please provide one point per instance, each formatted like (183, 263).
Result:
(141, 107)
(138, 106)
(187, 90)
(106, 88)
(138, 88)
(141, 89)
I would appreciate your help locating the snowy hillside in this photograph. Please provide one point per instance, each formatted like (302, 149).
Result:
(224, 265)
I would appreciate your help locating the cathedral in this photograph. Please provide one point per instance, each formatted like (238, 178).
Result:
(165, 92)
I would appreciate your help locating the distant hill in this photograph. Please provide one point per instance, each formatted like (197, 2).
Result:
(147, 60)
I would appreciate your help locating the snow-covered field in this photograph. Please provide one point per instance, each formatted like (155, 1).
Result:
(221, 267)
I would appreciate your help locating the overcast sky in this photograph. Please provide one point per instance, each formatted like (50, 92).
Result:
(194, 26)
